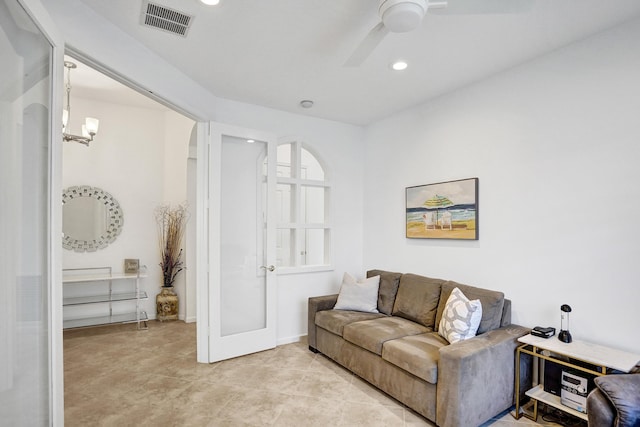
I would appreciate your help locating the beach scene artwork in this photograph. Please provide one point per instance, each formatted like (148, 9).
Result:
(446, 210)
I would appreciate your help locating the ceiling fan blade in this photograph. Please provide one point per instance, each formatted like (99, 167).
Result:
(437, 4)
(369, 43)
(479, 7)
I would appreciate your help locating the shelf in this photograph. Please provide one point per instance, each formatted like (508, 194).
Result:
(105, 320)
(95, 285)
(540, 395)
(81, 278)
(92, 299)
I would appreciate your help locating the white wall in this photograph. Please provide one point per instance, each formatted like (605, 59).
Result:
(554, 143)
(139, 156)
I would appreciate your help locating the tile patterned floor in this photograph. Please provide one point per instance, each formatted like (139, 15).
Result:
(118, 376)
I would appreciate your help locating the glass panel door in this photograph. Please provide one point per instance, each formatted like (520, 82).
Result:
(242, 295)
(243, 281)
(25, 102)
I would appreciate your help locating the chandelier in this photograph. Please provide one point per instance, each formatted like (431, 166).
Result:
(90, 126)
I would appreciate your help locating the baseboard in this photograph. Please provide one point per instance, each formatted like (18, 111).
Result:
(190, 319)
(290, 340)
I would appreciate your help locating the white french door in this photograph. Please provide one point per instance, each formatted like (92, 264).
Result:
(242, 254)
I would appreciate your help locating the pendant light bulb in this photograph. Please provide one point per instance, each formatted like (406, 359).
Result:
(92, 125)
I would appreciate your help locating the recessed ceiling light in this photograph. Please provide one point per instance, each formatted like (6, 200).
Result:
(251, 141)
(306, 103)
(210, 2)
(399, 65)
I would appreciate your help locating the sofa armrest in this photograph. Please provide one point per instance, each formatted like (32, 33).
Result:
(622, 393)
(316, 304)
(476, 377)
(599, 409)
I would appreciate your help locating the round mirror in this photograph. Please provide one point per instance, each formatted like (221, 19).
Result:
(91, 218)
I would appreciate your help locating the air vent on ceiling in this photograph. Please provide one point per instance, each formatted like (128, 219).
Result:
(164, 18)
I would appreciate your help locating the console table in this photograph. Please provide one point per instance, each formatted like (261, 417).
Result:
(96, 287)
(599, 357)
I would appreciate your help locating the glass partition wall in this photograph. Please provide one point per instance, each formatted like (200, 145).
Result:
(25, 103)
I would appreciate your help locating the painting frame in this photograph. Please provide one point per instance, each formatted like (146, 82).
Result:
(443, 210)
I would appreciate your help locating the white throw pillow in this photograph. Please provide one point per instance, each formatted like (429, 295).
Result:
(460, 318)
(358, 296)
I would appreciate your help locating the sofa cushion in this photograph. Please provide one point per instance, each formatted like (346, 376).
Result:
(492, 303)
(417, 354)
(417, 299)
(335, 320)
(358, 295)
(372, 334)
(389, 282)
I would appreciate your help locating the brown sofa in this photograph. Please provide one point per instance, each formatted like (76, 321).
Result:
(400, 351)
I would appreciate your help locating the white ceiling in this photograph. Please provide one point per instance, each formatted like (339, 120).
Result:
(88, 83)
(277, 52)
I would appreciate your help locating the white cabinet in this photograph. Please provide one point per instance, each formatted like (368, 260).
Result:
(96, 296)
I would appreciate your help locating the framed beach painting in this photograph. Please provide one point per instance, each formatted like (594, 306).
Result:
(445, 210)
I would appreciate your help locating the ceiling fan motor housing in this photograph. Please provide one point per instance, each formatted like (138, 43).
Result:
(400, 16)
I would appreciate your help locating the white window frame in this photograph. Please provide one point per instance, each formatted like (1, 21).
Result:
(297, 224)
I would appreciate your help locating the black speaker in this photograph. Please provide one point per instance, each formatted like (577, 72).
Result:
(552, 377)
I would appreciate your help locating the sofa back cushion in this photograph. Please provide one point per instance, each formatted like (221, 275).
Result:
(492, 304)
(389, 282)
(417, 299)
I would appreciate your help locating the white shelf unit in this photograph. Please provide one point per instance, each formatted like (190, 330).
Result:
(601, 359)
(100, 288)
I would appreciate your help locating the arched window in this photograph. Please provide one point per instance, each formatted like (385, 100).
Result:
(303, 210)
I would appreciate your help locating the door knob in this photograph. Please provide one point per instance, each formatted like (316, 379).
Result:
(270, 268)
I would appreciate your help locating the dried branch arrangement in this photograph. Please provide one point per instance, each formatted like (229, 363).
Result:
(171, 226)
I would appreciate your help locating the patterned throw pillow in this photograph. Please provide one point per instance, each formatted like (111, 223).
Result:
(461, 317)
(358, 296)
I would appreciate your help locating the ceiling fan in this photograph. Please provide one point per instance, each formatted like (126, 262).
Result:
(401, 16)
